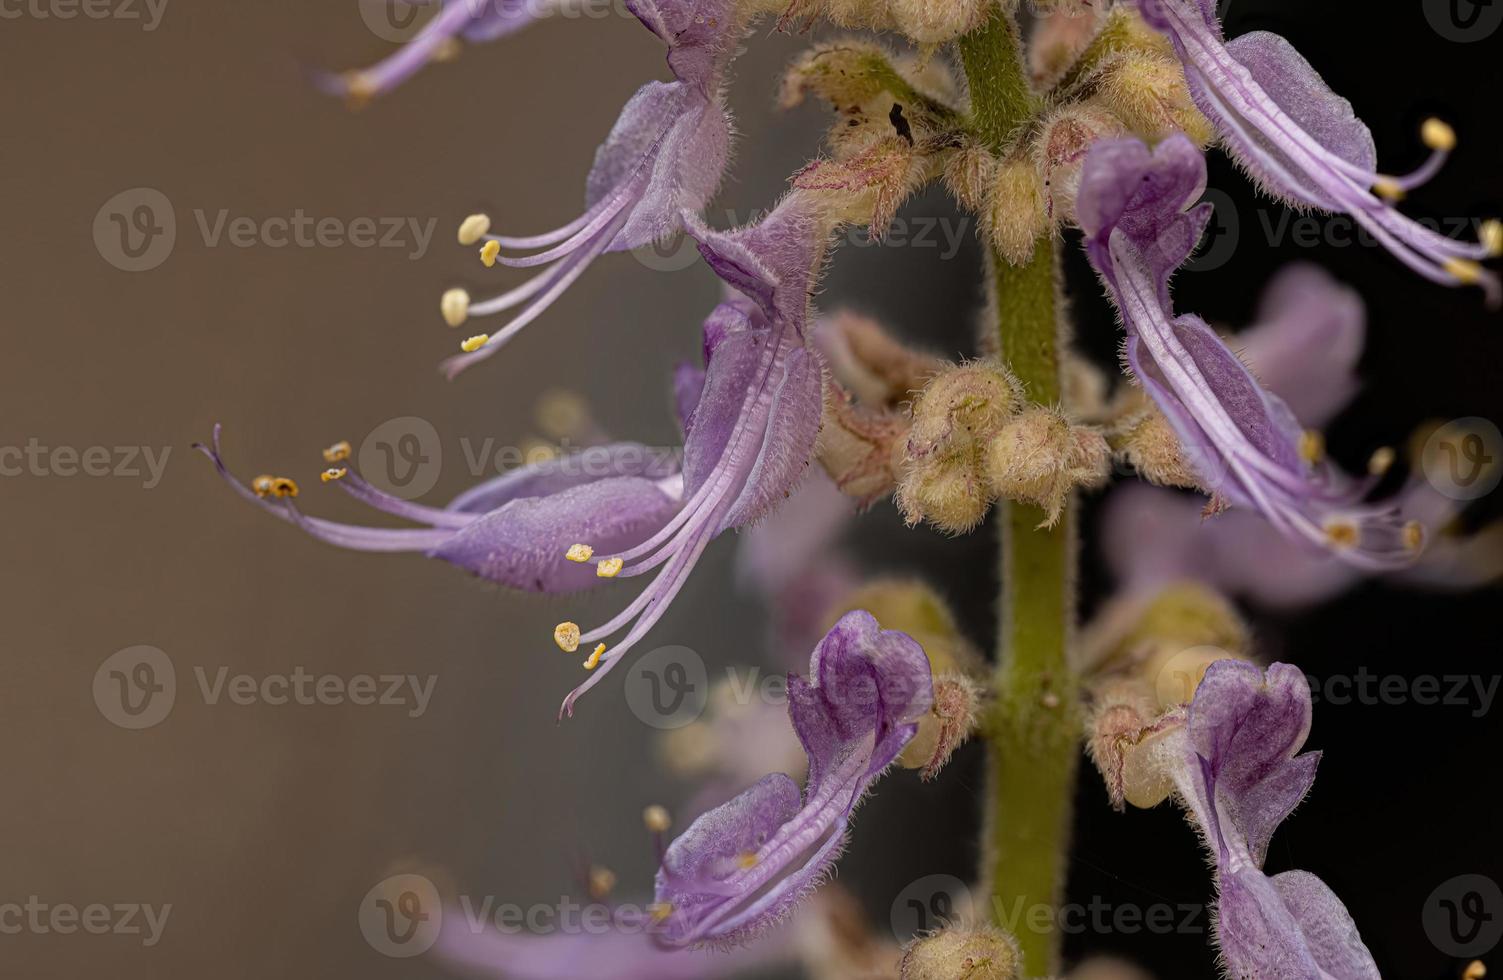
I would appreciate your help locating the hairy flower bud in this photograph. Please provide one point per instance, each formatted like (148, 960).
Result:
(1123, 735)
(1148, 93)
(961, 409)
(1015, 217)
(1041, 458)
(861, 448)
(1149, 444)
(948, 724)
(951, 494)
(969, 174)
(1139, 637)
(1060, 150)
(975, 953)
(937, 21)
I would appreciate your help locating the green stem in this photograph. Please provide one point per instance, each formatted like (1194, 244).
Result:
(1035, 724)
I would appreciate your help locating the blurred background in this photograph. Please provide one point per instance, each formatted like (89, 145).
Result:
(130, 333)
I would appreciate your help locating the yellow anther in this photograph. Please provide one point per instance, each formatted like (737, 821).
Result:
(595, 655)
(358, 89)
(609, 568)
(455, 306)
(274, 486)
(1342, 534)
(579, 552)
(602, 882)
(338, 453)
(1312, 446)
(1414, 535)
(1380, 461)
(1491, 234)
(488, 253)
(746, 860)
(660, 911)
(656, 819)
(447, 50)
(329, 476)
(1438, 135)
(1465, 270)
(262, 485)
(474, 228)
(1389, 189)
(566, 635)
(476, 342)
(1475, 970)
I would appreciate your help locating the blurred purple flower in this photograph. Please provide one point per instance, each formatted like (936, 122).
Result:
(1243, 441)
(1303, 143)
(664, 159)
(742, 866)
(1235, 766)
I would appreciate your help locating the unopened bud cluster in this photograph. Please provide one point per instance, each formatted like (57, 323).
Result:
(975, 953)
(975, 439)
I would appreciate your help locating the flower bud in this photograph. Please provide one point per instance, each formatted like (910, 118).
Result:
(949, 493)
(1041, 458)
(969, 173)
(975, 953)
(1126, 735)
(1015, 218)
(1138, 637)
(961, 409)
(1149, 444)
(950, 721)
(1064, 31)
(1060, 150)
(1148, 93)
(937, 21)
(861, 448)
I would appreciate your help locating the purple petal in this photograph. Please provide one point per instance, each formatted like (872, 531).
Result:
(522, 543)
(564, 472)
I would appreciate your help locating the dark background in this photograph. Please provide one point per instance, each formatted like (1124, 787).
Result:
(264, 826)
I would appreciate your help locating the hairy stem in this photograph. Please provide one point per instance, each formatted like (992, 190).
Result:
(1036, 721)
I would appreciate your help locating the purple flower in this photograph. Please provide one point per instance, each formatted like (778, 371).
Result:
(665, 157)
(514, 529)
(741, 867)
(469, 20)
(756, 416)
(1243, 441)
(1302, 142)
(750, 427)
(1235, 767)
